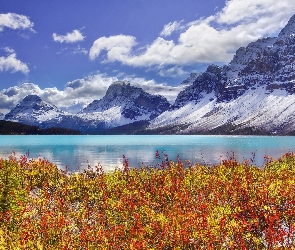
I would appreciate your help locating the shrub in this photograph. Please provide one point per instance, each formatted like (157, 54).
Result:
(173, 206)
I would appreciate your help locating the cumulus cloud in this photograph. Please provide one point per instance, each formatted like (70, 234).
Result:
(80, 92)
(75, 95)
(15, 21)
(238, 11)
(11, 63)
(175, 71)
(152, 87)
(11, 96)
(207, 40)
(171, 27)
(118, 47)
(8, 50)
(94, 87)
(73, 37)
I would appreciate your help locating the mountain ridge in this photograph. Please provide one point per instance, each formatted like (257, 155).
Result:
(255, 90)
(253, 93)
(123, 104)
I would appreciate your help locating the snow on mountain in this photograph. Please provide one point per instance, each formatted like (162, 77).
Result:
(203, 85)
(255, 90)
(32, 110)
(270, 112)
(1, 116)
(124, 104)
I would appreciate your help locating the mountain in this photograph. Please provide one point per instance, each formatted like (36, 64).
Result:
(123, 104)
(32, 110)
(134, 103)
(190, 80)
(1, 116)
(254, 93)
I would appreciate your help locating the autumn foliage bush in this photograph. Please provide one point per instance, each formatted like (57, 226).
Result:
(175, 205)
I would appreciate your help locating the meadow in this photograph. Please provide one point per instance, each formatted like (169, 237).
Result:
(175, 205)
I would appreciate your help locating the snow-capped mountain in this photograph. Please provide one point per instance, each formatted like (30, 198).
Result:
(256, 91)
(133, 102)
(122, 104)
(1, 116)
(32, 110)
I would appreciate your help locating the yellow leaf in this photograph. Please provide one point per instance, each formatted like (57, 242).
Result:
(39, 245)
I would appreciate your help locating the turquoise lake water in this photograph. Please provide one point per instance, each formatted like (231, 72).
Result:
(78, 151)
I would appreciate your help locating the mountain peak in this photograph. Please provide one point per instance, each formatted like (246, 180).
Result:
(32, 110)
(289, 30)
(121, 83)
(132, 101)
(121, 89)
(32, 98)
(190, 80)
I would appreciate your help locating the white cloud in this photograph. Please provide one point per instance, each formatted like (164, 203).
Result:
(11, 63)
(94, 87)
(10, 97)
(208, 40)
(73, 50)
(175, 71)
(80, 50)
(159, 52)
(73, 97)
(80, 92)
(15, 21)
(118, 47)
(170, 28)
(155, 88)
(237, 11)
(75, 36)
(8, 50)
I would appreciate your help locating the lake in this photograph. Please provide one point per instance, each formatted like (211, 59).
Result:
(77, 151)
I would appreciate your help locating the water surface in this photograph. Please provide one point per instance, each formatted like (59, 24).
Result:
(77, 151)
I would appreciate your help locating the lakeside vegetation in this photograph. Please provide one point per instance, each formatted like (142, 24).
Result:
(172, 206)
(16, 128)
(135, 128)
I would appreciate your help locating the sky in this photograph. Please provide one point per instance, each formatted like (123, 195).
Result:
(68, 52)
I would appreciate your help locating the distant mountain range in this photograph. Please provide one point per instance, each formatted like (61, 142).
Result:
(122, 104)
(253, 94)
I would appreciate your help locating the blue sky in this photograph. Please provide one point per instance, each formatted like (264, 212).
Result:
(70, 51)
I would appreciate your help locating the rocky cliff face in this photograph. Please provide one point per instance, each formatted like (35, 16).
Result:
(204, 84)
(266, 62)
(132, 101)
(255, 90)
